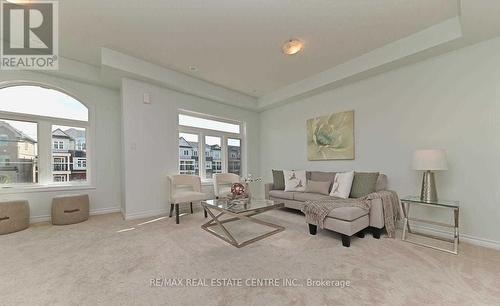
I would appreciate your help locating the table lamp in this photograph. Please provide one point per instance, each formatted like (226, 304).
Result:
(428, 161)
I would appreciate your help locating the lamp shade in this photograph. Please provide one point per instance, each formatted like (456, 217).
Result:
(432, 159)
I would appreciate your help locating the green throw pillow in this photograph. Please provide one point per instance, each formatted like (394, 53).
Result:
(364, 183)
(278, 180)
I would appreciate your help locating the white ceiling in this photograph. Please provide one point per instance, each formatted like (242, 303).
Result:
(236, 43)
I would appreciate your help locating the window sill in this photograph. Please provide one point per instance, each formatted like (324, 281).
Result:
(44, 188)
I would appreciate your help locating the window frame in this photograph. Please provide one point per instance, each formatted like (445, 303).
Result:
(46, 144)
(223, 156)
(224, 136)
(241, 153)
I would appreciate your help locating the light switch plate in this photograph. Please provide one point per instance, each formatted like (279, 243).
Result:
(146, 98)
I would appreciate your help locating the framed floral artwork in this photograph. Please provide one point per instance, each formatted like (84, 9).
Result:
(331, 137)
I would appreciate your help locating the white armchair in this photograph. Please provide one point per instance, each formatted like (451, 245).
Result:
(223, 183)
(184, 189)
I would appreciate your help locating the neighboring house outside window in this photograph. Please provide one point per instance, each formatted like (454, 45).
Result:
(79, 163)
(70, 157)
(18, 153)
(221, 141)
(188, 160)
(64, 147)
(4, 140)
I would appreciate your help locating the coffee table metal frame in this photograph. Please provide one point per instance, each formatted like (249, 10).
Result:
(235, 216)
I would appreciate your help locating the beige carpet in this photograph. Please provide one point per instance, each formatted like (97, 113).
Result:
(109, 261)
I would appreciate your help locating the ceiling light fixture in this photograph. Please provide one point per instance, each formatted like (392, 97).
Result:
(292, 46)
(193, 68)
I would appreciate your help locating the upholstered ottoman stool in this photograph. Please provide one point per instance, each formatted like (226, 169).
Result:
(14, 216)
(70, 209)
(347, 221)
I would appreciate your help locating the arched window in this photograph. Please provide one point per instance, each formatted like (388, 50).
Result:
(43, 137)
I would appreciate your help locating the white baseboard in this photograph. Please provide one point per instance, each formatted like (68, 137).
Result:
(93, 212)
(103, 211)
(38, 219)
(487, 243)
(146, 214)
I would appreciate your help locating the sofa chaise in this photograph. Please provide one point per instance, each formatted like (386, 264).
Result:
(347, 221)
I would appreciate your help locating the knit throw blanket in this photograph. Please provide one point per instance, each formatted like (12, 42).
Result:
(317, 210)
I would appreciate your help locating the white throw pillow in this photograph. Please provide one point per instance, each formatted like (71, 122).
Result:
(342, 184)
(295, 180)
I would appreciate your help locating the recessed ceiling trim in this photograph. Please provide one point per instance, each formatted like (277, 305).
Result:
(175, 80)
(81, 72)
(436, 35)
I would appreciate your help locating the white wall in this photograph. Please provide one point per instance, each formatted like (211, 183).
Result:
(150, 142)
(451, 102)
(105, 105)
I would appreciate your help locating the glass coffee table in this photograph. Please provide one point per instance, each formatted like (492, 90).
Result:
(242, 209)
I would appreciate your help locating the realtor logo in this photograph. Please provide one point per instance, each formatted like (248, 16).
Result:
(29, 35)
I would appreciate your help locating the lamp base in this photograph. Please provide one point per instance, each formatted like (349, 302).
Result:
(429, 191)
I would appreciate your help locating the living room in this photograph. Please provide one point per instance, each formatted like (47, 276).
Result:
(350, 152)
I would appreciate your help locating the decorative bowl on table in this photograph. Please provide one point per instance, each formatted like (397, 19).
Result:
(237, 190)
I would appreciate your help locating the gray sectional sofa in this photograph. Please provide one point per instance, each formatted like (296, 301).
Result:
(347, 221)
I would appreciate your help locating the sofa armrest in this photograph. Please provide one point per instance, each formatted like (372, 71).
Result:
(377, 213)
(268, 187)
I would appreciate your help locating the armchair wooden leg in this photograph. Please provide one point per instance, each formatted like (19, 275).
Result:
(191, 207)
(205, 211)
(177, 213)
(171, 210)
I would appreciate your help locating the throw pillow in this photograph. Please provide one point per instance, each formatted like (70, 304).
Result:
(295, 180)
(278, 180)
(318, 187)
(364, 183)
(342, 184)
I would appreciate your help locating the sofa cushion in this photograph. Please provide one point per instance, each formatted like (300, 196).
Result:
(321, 176)
(282, 194)
(308, 196)
(364, 183)
(348, 228)
(295, 180)
(278, 180)
(347, 213)
(224, 191)
(185, 196)
(381, 182)
(342, 183)
(318, 187)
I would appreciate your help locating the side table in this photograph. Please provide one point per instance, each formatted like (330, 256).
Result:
(451, 205)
